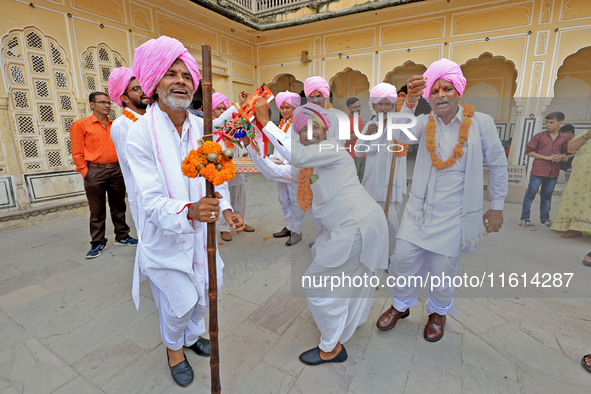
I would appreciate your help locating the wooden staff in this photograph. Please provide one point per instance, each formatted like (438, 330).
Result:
(214, 359)
(390, 182)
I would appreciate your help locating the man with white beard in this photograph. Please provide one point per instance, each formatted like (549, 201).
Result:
(173, 251)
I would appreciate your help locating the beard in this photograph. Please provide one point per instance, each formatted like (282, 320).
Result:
(172, 102)
(138, 103)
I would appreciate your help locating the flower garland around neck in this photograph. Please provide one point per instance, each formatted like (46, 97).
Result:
(129, 115)
(211, 163)
(283, 123)
(458, 150)
(304, 189)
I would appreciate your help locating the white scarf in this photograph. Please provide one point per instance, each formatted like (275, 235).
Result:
(420, 200)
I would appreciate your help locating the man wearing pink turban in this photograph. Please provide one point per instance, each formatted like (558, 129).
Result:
(127, 93)
(352, 236)
(223, 111)
(287, 102)
(444, 215)
(317, 91)
(379, 153)
(173, 241)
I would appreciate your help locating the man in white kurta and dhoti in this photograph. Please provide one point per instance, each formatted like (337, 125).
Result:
(378, 157)
(126, 91)
(173, 253)
(352, 236)
(444, 214)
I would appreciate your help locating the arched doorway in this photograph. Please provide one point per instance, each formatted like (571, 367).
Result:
(572, 89)
(491, 85)
(399, 75)
(350, 83)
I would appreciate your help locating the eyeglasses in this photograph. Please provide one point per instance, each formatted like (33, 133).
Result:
(103, 102)
(137, 88)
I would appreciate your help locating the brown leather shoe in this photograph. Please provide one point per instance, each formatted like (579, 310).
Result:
(434, 327)
(283, 233)
(389, 318)
(248, 229)
(226, 236)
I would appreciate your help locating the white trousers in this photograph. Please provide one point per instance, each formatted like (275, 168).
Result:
(294, 223)
(284, 199)
(338, 313)
(238, 201)
(176, 331)
(410, 260)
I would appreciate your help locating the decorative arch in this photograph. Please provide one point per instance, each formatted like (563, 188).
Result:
(572, 88)
(283, 82)
(491, 86)
(399, 75)
(41, 98)
(350, 83)
(97, 62)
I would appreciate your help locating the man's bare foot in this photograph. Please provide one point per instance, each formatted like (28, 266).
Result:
(175, 357)
(587, 259)
(332, 354)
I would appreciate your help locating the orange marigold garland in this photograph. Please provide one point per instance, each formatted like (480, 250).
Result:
(304, 188)
(129, 115)
(283, 125)
(210, 162)
(458, 150)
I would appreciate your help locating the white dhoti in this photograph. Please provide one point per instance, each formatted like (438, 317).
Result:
(410, 260)
(338, 313)
(176, 331)
(284, 199)
(297, 215)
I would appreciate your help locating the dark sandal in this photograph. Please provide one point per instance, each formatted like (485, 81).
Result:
(584, 363)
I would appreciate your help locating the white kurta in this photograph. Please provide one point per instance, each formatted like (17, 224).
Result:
(119, 132)
(173, 249)
(443, 233)
(377, 168)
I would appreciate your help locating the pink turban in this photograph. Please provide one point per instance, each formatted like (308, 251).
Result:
(447, 70)
(316, 83)
(154, 58)
(117, 83)
(383, 91)
(288, 97)
(307, 111)
(219, 98)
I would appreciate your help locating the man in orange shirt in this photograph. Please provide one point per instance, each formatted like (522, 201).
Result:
(95, 158)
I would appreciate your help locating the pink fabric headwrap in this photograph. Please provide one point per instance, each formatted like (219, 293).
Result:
(117, 83)
(307, 111)
(316, 83)
(383, 91)
(288, 97)
(444, 69)
(154, 58)
(217, 99)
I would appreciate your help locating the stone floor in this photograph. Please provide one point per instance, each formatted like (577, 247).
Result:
(68, 325)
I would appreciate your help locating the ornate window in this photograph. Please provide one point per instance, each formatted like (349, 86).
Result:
(97, 63)
(41, 98)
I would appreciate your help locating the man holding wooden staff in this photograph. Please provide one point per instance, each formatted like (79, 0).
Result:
(444, 213)
(173, 253)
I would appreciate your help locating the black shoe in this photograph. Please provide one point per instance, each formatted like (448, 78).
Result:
(129, 241)
(95, 251)
(182, 373)
(202, 347)
(312, 357)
